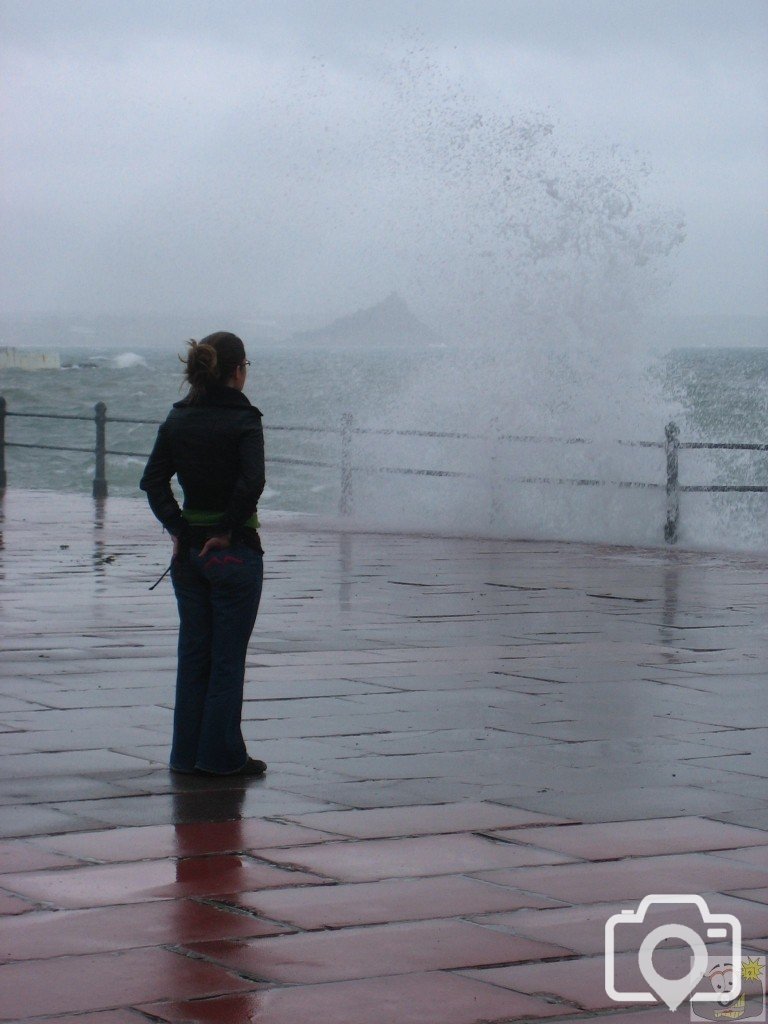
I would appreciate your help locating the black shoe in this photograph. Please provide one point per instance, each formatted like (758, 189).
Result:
(252, 767)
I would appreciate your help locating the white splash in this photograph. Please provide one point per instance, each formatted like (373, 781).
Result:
(128, 360)
(543, 258)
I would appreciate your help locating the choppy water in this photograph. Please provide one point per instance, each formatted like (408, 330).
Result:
(715, 394)
(291, 387)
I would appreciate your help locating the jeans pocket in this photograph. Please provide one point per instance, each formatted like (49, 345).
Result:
(230, 563)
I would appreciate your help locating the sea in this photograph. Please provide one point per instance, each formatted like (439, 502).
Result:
(716, 394)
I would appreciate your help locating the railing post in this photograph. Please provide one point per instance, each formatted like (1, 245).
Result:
(3, 475)
(345, 502)
(671, 446)
(100, 476)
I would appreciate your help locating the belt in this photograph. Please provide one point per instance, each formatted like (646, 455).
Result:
(196, 536)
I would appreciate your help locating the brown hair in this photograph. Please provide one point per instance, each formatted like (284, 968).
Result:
(212, 361)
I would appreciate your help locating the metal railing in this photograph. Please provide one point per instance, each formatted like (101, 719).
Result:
(347, 431)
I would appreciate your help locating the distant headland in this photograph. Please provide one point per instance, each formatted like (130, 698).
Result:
(387, 323)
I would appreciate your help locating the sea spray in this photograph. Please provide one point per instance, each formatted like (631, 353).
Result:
(128, 361)
(538, 259)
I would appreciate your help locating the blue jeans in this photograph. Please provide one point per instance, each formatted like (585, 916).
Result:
(218, 598)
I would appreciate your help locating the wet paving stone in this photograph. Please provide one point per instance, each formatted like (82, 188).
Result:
(582, 928)
(479, 750)
(107, 980)
(46, 934)
(40, 819)
(12, 905)
(28, 790)
(631, 878)
(115, 884)
(407, 999)
(100, 1017)
(21, 856)
(216, 804)
(373, 951)
(430, 819)
(616, 839)
(421, 856)
(404, 899)
(580, 982)
(156, 842)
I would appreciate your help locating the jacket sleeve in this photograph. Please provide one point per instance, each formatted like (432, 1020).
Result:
(251, 477)
(156, 481)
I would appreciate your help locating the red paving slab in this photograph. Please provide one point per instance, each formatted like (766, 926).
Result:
(155, 842)
(374, 950)
(100, 1017)
(435, 997)
(658, 1015)
(19, 856)
(108, 980)
(615, 839)
(11, 905)
(758, 895)
(582, 928)
(105, 885)
(757, 856)
(579, 981)
(582, 980)
(369, 859)
(386, 822)
(632, 878)
(46, 934)
(409, 899)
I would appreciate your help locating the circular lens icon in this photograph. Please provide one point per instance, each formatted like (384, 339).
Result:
(673, 991)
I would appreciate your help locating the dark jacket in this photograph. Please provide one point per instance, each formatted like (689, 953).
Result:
(215, 446)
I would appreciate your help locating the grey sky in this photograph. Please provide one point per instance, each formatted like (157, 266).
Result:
(164, 157)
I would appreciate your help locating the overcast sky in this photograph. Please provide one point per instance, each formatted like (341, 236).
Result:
(174, 156)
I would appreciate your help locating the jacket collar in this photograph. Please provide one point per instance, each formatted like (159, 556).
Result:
(218, 395)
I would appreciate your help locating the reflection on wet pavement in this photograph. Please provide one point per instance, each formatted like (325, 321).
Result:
(479, 751)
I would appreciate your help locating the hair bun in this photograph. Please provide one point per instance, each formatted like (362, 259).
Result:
(201, 365)
(212, 361)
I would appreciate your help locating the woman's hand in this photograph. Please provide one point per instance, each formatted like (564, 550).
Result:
(216, 543)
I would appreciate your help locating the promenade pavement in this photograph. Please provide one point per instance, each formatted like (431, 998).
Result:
(478, 752)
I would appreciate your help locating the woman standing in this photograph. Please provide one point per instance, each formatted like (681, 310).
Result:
(213, 442)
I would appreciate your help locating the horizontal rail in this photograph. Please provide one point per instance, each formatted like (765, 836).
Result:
(128, 419)
(641, 444)
(577, 482)
(386, 432)
(454, 435)
(725, 488)
(311, 430)
(727, 446)
(50, 416)
(509, 479)
(145, 455)
(48, 447)
(533, 439)
(449, 434)
(133, 455)
(414, 472)
(283, 460)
